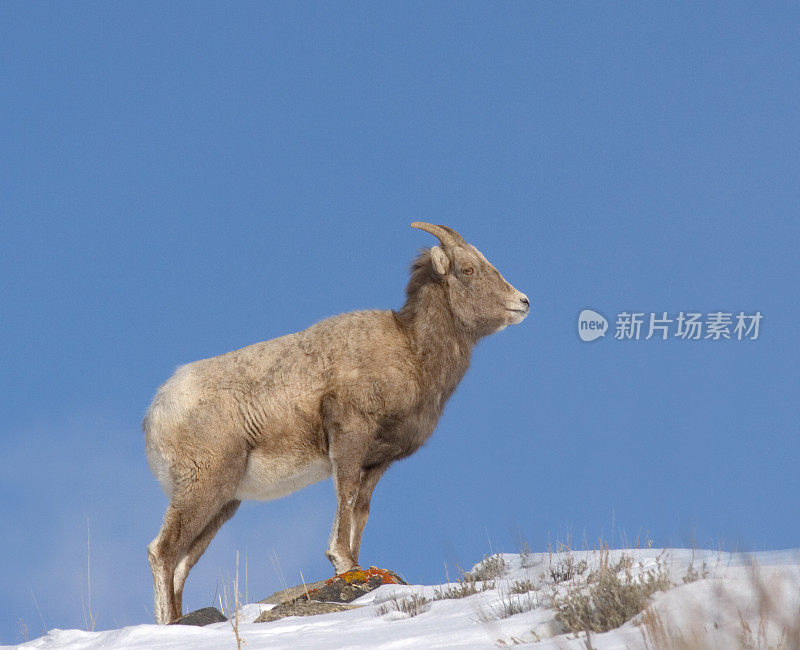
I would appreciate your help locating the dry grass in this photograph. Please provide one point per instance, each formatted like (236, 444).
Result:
(89, 580)
(41, 616)
(231, 606)
(657, 635)
(23, 630)
(773, 629)
(89, 622)
(770, 615)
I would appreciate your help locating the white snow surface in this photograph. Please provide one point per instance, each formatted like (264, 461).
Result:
(713, 611)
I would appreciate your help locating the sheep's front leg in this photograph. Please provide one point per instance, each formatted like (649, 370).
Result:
(369, 479)
(346, 479)
(349, 434)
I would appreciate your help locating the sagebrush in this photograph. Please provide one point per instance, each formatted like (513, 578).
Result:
(610, 597)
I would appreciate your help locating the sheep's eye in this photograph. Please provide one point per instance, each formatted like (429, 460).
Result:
(468, 271)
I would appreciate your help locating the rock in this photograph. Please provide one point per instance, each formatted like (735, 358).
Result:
(301, 609)
(200, 617)
(348, 586)
(291, 594)
(327, 595)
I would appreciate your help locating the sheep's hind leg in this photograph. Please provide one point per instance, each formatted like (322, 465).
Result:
(205, 489)
(176, 533)
(198, 547)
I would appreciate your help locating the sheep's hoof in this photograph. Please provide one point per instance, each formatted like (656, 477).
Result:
(355, 567)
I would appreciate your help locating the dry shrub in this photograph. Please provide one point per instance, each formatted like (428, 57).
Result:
(522, 586)
(490, 568)
(509, 605)
(412, 605)
(624, 563)
(609, 600)
(526, 556)
(566, 568)
(693, 575)
(462, 589)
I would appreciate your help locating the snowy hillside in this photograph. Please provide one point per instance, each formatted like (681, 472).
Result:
(712, 600)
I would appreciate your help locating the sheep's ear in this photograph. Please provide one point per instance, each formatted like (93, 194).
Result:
(440, 260)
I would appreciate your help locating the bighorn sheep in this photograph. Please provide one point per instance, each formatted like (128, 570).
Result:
(346, 397)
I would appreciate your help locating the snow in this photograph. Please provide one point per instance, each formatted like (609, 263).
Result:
(733, 595)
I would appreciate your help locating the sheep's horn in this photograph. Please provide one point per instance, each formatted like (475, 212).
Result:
(447, 236)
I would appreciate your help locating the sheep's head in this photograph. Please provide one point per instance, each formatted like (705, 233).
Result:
(480, 298)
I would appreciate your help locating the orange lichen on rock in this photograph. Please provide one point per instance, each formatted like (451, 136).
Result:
(354, 575)
(348, 586)
(367, 575)
(343, 588)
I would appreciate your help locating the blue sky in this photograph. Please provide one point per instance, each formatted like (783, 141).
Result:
(183, 179)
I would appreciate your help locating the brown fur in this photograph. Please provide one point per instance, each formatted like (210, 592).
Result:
(347, 397)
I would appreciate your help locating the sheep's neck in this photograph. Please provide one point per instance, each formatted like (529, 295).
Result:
(442, 349)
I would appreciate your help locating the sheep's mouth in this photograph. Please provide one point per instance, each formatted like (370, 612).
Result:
(519, 315)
